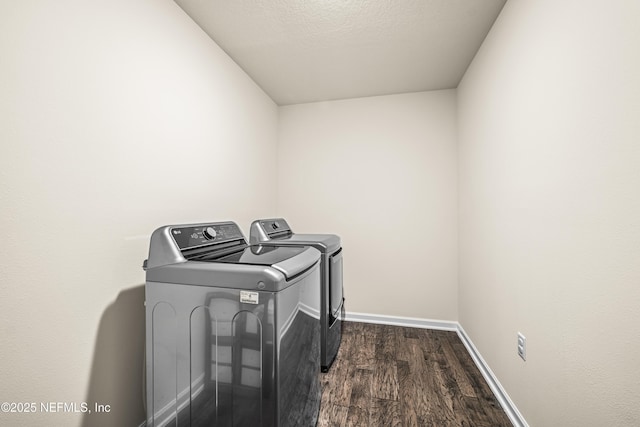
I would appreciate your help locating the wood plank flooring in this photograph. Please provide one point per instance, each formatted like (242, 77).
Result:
(393, 376)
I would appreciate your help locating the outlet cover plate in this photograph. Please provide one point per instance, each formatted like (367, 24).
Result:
(522, 346)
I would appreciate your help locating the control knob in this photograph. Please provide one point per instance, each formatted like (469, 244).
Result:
(209, 233)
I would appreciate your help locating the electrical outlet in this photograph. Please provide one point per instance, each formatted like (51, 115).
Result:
(522, 346)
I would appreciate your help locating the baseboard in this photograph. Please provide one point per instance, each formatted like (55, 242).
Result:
(411, 322)
(503, 398)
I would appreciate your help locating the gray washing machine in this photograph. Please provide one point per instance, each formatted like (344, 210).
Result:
(276, 231)
(232, 330)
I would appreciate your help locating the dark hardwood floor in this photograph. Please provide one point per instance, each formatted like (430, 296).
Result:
(395, 376)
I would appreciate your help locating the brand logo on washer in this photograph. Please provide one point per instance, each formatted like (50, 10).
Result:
(176, 231)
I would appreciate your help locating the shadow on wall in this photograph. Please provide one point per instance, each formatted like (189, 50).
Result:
(116, 373)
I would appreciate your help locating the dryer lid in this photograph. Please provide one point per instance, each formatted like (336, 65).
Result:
(327, 243)
(278, 232)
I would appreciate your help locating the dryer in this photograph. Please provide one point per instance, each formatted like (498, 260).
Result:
(232, 330)
(276, 231)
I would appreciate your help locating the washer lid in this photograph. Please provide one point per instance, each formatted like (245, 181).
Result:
(254, 255)
(253, 272)
(289, 260)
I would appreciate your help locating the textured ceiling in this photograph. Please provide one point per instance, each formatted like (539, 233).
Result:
(314, 50)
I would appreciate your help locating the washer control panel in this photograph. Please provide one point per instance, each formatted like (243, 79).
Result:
(205, 234)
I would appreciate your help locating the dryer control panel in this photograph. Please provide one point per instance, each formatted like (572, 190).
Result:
(193, 236)
(276, 227)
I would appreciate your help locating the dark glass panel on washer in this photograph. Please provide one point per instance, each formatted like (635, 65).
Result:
(262, 255)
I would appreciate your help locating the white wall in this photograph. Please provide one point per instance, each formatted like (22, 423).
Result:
(381, 173)
(549, 131)
(116, 117)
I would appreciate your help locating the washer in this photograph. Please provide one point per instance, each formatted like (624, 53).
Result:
(232, 330)
(276, 231)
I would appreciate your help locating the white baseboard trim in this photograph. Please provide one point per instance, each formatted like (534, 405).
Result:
(412, 322)
(501, 395)
(503, 398)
